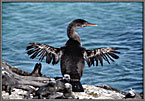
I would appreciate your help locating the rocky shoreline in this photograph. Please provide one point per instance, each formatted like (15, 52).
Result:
(18, 84)
(91, 92)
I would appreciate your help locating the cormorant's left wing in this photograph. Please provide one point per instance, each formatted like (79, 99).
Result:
(42, 50)
(100, 54)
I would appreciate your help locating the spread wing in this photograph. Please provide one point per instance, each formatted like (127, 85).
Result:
(42, 50)
(100, 54)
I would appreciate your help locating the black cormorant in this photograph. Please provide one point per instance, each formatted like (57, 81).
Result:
(72, 55)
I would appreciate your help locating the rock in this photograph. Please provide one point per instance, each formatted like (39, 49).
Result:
(18, 84)
(132, 94)
(68, 91)
(57, 95)
(90, 92)
(15, 94)
(93, 92)
(47, 90)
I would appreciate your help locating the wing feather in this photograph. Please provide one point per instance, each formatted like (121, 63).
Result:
(35, 54)
(100, 59)
(101, 54)
(104, 57)
(42, 50)
(96, 62)
(113, 55)
(42, 54)
(110, 57)
(48, 58)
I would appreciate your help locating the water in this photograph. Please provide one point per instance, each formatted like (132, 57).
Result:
(119, 25)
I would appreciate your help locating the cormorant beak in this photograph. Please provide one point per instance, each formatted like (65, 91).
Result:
(89, 24)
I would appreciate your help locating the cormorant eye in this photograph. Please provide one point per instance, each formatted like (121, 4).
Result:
(79, 25)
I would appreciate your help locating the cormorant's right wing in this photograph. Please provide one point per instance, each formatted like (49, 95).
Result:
(42, 50)
(100, 54)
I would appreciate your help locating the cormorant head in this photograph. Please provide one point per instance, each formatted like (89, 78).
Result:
(78, 23)
(74, 25)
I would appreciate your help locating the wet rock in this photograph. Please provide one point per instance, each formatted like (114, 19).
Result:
(132, 94)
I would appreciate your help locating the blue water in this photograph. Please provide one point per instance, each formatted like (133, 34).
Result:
(119, 25)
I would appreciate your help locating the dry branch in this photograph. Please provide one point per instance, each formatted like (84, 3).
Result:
(13, 79)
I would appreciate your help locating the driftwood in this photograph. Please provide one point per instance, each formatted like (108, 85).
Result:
(35, 83)
(23, 80)
(14, 78)
(38, 86)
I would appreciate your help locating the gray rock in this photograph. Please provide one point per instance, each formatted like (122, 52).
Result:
(53, 88)
(68, 91)
(132, 94)
(93, 92)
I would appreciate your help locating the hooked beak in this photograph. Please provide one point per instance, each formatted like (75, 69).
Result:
(89, 24)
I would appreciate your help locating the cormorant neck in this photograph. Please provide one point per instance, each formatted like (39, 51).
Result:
(71, 33)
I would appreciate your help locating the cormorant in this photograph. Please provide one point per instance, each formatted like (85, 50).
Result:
(72, 55)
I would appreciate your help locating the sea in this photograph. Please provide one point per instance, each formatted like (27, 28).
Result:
(120, 24)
